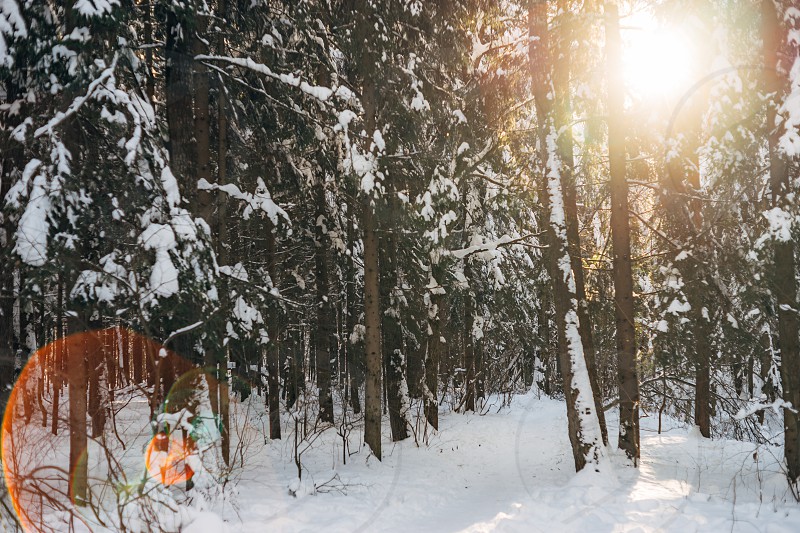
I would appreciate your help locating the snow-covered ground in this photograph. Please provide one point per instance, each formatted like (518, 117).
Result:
(512, 470)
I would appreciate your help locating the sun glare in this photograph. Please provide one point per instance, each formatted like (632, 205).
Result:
(659, 63)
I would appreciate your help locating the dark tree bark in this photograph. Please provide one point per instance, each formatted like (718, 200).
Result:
(150, 85)
(354, 350)
(58, 355)
(471, 272)
(76, 356)
(225, 415)
(95, 406)
(11, 161)
(369, 227)
(202, 125)
(784, 274)
(434, 349)
(627, 377)
(273, 348)
(544, 337)
(702, 354)
(687, 222)
(294, 368)
(687, 208)
(180, 109)
(469, 348)
(215, 357)
(372, 334)
(393, 345)
(324, 335)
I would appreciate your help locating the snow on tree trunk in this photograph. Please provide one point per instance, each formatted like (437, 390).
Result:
(563, 123)
(777, 83)
(584, 428)
(583, 425)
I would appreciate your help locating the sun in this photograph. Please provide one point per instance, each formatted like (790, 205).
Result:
(659, 62)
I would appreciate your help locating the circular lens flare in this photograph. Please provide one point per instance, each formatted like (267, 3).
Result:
(45, 486)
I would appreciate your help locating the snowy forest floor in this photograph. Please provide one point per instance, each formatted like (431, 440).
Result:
(512, 470)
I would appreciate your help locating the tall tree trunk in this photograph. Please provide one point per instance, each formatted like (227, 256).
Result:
(78, 464)
(202, 129)
(784, 275)
(563, 123)
(469, 347)
(220, 390)
(150, 82)
(393, 346)
(684, 173)
(372, 333)
(544, 336)
(295, 363)
(627, 378)
(94, 407)
(684, 179)
(10, 163)
(324, 338)
(225, 412)
(369, 227)
(434, 349)
(58, 355)
(355, 350)
(273, 348)
(473, 218)
(76, 355)
(701, 346)
(180, 111)
(583, 426)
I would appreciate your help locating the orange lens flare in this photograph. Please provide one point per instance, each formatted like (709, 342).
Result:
(166, 459)
(40, 477)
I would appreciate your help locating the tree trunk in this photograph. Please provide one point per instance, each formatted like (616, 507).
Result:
(95, 407)
(369, 227)
(58, 355)
(225, 413)
(434, 350)
(355, 350)
(563, 123)
(220, 390)
(76, 357)
(702, 359)
(627, 377)
(273, 348)
(324, 338)
(372, 334)
(583, 426)
(202, 131)
(393, 346)
(688, 227)
(784, 275)
(180, 113)
(544, 335)
(12, 159)
(294, 369)
(469, 347)
(150, 85)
